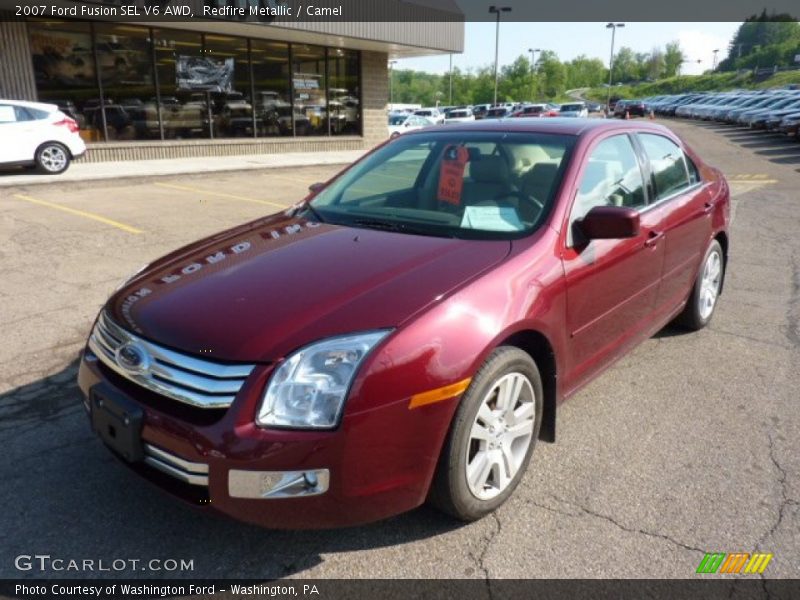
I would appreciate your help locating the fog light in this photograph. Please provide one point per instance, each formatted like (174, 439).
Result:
(277, 484)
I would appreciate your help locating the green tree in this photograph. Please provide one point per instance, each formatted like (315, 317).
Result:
(673, 59)
(585, 72)
(552, 75)
(756, 36)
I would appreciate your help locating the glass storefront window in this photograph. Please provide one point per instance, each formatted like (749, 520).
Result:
(64, 69)
(272, 100)
(310, 99)
(125, 59)
(185, 109)
(231, 105)
(344, 92)
(181, 85)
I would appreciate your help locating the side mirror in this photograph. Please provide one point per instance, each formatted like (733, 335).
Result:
(610, 222)
(316, 187)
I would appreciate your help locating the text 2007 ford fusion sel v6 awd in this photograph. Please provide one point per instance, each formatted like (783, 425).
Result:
(407, 332)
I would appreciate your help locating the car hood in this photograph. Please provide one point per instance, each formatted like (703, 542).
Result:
(256, 292)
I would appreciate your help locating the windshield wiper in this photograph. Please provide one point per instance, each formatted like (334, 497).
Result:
(399, 227)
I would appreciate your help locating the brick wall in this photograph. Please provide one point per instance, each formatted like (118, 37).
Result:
(375, 95)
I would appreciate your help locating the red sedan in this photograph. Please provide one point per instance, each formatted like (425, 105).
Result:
(407, 332)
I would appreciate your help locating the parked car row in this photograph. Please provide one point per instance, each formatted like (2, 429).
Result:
(405, 120)
(776, 110)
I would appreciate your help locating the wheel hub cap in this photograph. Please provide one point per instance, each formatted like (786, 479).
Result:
(501, 435)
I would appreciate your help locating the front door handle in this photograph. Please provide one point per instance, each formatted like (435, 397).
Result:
(708, 207)
(652, 238)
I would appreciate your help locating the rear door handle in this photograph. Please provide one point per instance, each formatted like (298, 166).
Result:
(652, 238)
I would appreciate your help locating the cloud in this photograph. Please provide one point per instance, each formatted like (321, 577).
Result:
(700, 45)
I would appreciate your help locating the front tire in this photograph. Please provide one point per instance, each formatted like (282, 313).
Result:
(705, 293)
(492, 436)
(52, 158)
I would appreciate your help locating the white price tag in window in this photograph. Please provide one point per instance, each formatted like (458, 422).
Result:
(491, 218)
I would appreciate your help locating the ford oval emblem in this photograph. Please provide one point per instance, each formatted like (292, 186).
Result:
(132, 357)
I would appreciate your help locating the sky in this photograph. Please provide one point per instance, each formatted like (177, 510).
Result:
(569, 40)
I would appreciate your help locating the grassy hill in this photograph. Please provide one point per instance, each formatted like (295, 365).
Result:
(696, 83)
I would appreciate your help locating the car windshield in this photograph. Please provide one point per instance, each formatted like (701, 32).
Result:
(475, 185)
(568, 107)
(397, 119)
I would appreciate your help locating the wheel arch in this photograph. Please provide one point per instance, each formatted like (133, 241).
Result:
(539, 348)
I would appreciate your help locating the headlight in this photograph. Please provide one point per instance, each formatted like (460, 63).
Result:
(309, 389)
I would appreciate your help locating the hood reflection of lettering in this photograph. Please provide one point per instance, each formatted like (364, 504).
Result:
(211, 261)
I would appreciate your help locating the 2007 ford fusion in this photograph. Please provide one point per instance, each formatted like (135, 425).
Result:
(406, 333)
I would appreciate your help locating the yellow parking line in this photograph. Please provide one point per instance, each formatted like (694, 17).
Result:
(752, 181)
(80, 213)
(186, 188)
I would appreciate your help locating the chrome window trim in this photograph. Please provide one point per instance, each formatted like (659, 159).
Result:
(181, 377)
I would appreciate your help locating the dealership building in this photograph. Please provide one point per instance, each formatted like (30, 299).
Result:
(223, 87)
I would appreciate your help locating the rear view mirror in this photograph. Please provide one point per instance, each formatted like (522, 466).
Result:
(315, 187)
(610, 222)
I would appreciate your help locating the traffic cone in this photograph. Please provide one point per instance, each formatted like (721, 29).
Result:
(627, 115)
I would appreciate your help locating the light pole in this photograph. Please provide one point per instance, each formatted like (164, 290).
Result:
(450, 99)
(392, 63)
(533, 52)
(714, 64)
(613, 28)
(497, 10)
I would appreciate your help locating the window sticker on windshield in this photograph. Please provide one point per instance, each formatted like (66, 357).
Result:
(491, 218)
(451, 174)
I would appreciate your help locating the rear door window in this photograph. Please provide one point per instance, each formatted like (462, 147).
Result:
(667, 164)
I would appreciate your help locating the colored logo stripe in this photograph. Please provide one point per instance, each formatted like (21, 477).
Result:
(732, 563)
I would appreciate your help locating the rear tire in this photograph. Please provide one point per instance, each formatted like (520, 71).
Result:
(702, 301)
(492, 437)
(52, 158)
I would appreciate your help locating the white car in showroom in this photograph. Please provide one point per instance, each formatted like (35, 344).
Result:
(40, 135)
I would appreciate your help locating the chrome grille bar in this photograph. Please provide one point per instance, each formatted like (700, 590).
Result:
(184, 470)
(184, 378)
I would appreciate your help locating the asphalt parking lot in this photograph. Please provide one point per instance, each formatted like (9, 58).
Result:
(689, 445)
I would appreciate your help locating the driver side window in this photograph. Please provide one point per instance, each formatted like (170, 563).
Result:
(611, 177)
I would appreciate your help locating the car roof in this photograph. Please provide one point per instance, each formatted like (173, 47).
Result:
(555, 125)
(26, 104)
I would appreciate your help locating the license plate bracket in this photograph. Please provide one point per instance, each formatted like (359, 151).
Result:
(118, 421)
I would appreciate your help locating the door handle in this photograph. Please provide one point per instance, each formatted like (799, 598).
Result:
(708, 207)
(652, 238)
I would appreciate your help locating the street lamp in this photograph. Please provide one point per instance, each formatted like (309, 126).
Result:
(533, 52)
(613, 28)
(714, 65)
(450, 98)
(392, 63)
(497, 10)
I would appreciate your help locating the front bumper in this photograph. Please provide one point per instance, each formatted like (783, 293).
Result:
(376, 464)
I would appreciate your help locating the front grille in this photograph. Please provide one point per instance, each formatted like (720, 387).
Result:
(184, 378)
(183, 470)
